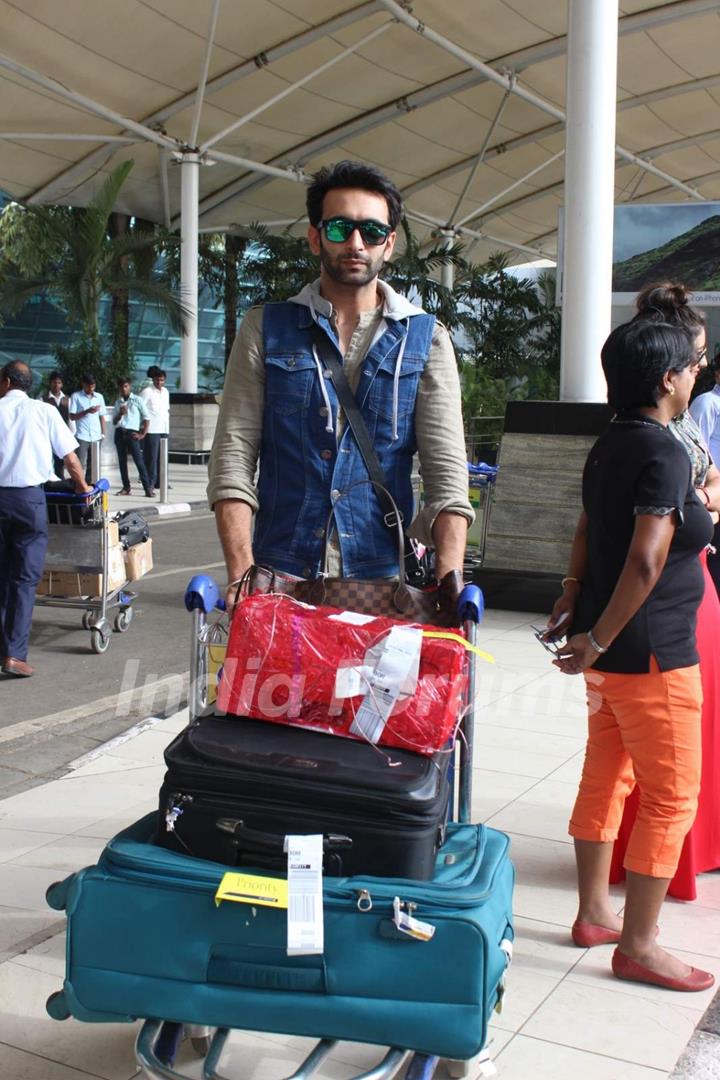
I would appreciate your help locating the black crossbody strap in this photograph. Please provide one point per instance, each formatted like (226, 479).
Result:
(327, 356)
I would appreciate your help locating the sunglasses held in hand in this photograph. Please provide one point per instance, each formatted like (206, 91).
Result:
(339, 229)
(553, 646)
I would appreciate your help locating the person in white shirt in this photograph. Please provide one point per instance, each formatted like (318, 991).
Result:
(157, 403)
(705, 411)
(87, 409)
(55, 396)
(31, 432)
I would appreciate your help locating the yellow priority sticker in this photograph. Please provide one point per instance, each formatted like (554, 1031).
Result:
(253, 889)
(461, 641)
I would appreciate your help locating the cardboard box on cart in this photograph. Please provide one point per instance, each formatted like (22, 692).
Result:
(69, 583)
(139, 560)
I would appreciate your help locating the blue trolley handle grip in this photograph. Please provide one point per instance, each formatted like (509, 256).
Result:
(202, 594)
(74, 496)
(471, 604)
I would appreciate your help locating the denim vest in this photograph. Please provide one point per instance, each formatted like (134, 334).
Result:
(303, 468)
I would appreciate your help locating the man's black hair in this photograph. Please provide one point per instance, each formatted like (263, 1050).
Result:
(352, 174)
(158, 372)
(55, 375)
(19, 374)
(124, 379)
(88, 378)
(152, 371)
(636, 356)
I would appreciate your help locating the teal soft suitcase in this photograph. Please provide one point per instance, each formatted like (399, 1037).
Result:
(146, 940)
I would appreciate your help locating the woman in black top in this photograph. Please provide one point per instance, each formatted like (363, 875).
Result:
(629, 604)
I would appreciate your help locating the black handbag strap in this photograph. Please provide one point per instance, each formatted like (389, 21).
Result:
(350, 407)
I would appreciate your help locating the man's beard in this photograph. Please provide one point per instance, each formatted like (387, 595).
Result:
(338, 269)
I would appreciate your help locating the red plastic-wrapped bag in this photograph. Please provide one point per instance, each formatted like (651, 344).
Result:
(341, 672)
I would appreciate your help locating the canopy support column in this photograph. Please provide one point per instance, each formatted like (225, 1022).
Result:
(189, 188)
(589, 195)
(447, 270)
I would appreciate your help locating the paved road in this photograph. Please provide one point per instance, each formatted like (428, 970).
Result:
(71, 704)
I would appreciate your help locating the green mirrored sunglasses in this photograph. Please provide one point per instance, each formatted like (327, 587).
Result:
(340, 229)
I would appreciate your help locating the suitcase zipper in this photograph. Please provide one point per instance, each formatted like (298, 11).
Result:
(177, 800)
(363, 893)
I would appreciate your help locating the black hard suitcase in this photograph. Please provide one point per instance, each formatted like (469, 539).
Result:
(235, 787)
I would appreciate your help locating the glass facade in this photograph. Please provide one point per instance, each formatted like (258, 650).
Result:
(32, 334)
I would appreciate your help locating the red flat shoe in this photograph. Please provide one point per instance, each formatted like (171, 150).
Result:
(625, 968)
(586, 934)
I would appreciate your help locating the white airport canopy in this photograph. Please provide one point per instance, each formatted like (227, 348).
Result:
(461, 102)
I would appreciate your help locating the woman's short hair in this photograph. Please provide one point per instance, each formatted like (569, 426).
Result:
(669, 302)
(636, 356)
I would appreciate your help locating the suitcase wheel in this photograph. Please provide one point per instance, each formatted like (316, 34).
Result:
(457, 1069)
(57, 893)
(57, 1007)
(201, 1044)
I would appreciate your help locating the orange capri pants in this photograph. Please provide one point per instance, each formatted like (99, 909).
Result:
(645, 729)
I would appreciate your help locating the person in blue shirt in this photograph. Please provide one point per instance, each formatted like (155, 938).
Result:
(87, 409)
(131, 421)
(705, 411)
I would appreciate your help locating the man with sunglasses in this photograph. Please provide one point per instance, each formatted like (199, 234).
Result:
(280, 406)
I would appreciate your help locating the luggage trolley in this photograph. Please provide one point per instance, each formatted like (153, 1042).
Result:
(78, 542)
(158, 1042)
(481, 484)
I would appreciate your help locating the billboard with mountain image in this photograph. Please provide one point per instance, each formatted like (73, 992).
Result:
(669, 242)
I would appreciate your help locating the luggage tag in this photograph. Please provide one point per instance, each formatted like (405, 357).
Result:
(408, 924)
(252, 889)
(305, 930)
(397, 666)
(507, 947)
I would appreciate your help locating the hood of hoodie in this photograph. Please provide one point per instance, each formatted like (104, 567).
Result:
(395, 305)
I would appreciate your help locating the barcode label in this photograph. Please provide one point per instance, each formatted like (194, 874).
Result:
(302, 908)
(305, 898)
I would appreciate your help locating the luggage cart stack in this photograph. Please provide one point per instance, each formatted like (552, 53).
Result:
(78, 543)
(208, 971)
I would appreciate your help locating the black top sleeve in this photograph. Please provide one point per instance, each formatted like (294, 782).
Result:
(662, 483)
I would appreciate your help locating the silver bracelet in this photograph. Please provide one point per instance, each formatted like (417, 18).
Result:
(594, 644)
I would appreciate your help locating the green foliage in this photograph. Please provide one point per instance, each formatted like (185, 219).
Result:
(86, 355)
(275, 267)
(411, 273)
(211, 379)
(512, 345)
(68, 254)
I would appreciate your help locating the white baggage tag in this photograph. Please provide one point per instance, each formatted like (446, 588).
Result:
(400, 656)
(352, 681)
(305, 896)
(408, 924)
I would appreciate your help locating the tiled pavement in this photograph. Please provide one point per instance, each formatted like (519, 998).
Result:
(565, 1016)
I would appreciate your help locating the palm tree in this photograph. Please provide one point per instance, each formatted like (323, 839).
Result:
(69, 254)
